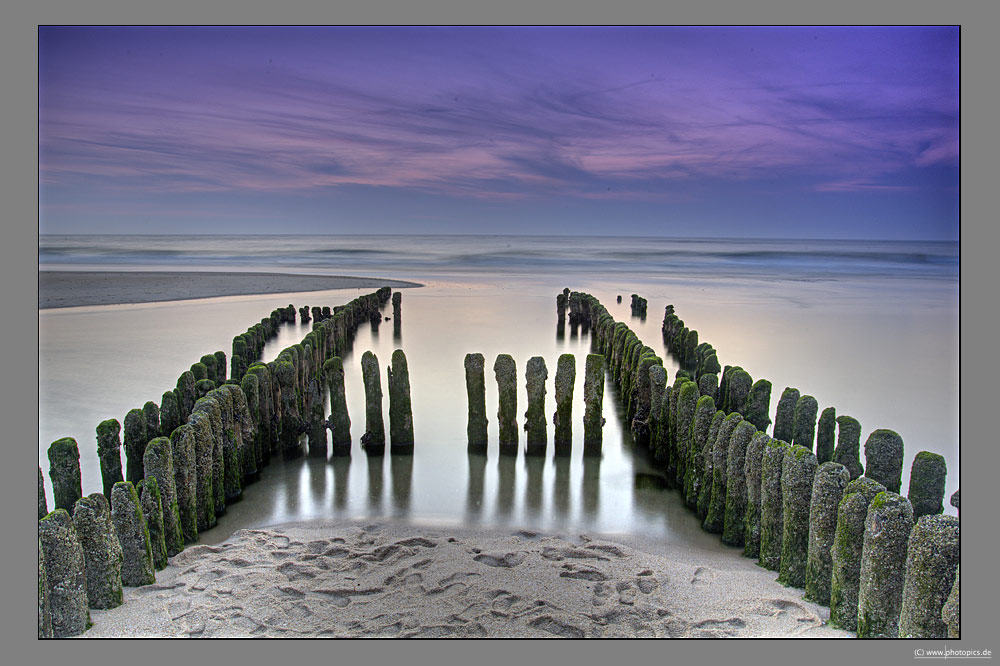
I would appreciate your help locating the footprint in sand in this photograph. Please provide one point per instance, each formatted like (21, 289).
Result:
(507, 560)
(559, 554)
(626, 593)
(718, 628)
(502, 601)
(557, 627)
(602, 593)
(582, 572)
(646, 584)
(610, 550)
(702, 576)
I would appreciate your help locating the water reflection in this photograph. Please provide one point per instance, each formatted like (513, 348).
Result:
(341, 473)
(591, 485)
(506, 473)
(401, 469)
(560, 489)
(477, 474)
(534, 466)
(375, 482)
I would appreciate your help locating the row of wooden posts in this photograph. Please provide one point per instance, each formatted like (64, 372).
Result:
(887, 565)
(189, 457)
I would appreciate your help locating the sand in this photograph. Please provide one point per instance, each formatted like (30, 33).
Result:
(64, 289)
(389, 579)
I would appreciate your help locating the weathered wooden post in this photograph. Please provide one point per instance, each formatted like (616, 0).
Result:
(884, 459)
(400, 409)
(593, 398)
(133, 535)
(845, 555)
(340, 420)
(109, 452)
(534, 418)
(506, 376)
(883, 559)
(828, 489)
(562, 419)
(373, 441)
(927, 479)
(848, 451)
(931, 564)
(798, 470)
(64, 472)
(102, 554)
(65, 574)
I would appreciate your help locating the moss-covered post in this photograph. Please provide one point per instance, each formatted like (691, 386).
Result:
(203, 387)
(250, 386)
(133, 535)
(931, 563)
(694, 471)
(159, 463)
(734, 527)
(708, 457)
(208, 360)
(845, 555)
(784, 416)
(506, 376)
(373, 441)
(397, 301)
(848, 451)
(708, 384)
(739, 387)
(715, 520)
(400, 409)
(340, 420)
(884, 459)
(152, 512)
(220, 367)
(44, 610)
(102, 554)
(290, 426)
(135, 445)
(534, 418)
(752, 470)
(828, 489)
(804, 422)
(951, 612)
(151, 413)
(927, 478)
(317, 421)
(109, 453)
(64, 472)
(186, 393)
(758, 405)
(475, 386)
(183, 452)
(797, 473)
(65, 574)
(43, 506)
(200, 428)
(562, 419)
(200, 371)
(883, 561)
(772, 521)
(170, 414)
(825, 434)
(955, 499)
(687, 403)
(593, 401)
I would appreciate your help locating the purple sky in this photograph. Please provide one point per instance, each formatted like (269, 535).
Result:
(794, 132)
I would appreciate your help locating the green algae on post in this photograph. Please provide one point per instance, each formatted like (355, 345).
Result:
(828, 489)
(848, 451)
(373, 441)
(951, 611)
(220, 367)
(708, 384)
(475, 386)
(102, 554)
(64, 472)
(752, 470)
(135, 444)
(133, 535)
(927, 478)
(44, 610)
(506, 375)
(593, 399)
(317, 421)
(845, 555)
(158, 463)
(771, 506)
(883, 560)
(400, 409)
(687, 403)
(200, 371)
(784, 417)
(183, 451)
(734, 527)
(535, 375)
(170, 414)
(884, 458)
(200, 428)
(931, 564)
(738, 390)
(109, 452)
(825, 434)
(152, 511)
(340, 420)
(798, 470)
(708, 457)
(151, 413)
(758, 405)
(562, 419)
(715, 520)
(43, 506)
(804, 422)
(65, 574)
(704, 411)
(186, 395)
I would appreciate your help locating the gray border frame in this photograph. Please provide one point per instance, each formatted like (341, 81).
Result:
(18, 264)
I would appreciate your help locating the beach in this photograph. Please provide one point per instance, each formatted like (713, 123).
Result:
(385, 579)
(66, 289)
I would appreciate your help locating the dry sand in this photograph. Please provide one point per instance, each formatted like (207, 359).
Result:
(397, 580)
(64, 289)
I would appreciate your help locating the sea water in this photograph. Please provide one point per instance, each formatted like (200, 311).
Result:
(870, 328)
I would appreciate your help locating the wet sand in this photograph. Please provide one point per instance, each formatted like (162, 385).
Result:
(65, 289)
(386, 579)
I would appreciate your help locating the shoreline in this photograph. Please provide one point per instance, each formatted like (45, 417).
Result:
(390, 579)
(66, 289)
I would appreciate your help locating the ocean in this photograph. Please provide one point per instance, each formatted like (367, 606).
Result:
(869, 327)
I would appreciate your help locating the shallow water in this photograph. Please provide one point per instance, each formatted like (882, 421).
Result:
(883, 350)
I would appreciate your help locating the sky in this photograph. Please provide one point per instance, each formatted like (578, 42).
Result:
(795, 132)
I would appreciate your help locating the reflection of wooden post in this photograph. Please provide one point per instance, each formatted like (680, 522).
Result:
(475, 385)
(593, 411)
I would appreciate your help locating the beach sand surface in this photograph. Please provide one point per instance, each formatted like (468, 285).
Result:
(387, 579)
(64, 289)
